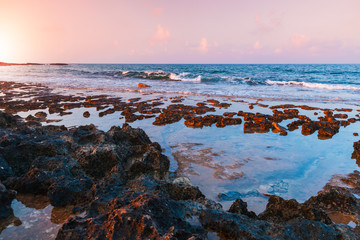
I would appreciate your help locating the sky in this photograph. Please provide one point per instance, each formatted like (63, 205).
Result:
(169, 31)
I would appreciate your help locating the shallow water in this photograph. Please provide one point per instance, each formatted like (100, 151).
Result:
(34, 218)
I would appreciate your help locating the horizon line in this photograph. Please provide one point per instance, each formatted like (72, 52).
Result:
(47, 63)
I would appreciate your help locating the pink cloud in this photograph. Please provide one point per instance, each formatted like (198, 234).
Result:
(203, 45)
(299, 40)
(268, 22)
(157, 12)
(162, 35)
(278, 51)
(257, 46)
(304, 46)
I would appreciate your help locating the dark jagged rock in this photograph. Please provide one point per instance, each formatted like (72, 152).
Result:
(356, 152)
(183, 192)
(68, 191)
(337, 199)
(237, 226)
(5, 170)
(10, 122)
(64, 164)
(239, 206)
(6, 197)
(146, 216)
(279, 210)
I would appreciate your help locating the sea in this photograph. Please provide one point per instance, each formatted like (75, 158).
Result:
(225, 163)
(339, 82)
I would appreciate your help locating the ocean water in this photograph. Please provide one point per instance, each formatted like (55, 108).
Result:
(303, 82)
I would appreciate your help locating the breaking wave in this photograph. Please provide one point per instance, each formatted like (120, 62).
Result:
(314, 85)
(157, 75)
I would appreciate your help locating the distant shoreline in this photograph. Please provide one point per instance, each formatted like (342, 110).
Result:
(2, 64)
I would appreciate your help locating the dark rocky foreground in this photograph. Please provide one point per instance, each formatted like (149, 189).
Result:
(121, 180)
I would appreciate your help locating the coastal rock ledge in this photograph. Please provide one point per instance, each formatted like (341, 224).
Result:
(121, 183)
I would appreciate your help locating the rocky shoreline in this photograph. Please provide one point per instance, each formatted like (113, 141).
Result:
(120, 181)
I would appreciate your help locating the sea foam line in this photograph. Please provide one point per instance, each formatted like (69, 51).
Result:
(314, 85)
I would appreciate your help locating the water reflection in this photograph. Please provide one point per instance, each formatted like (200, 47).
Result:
(34, 216)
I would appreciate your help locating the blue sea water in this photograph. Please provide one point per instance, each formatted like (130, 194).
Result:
(305, 82)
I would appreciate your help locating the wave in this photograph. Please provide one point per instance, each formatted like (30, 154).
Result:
(182, 77)
(154, 75)
(314, 85)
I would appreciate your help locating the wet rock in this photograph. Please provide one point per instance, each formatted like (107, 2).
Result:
(237, 226)
(35, 181)
(86, 114)
(41, 115)
(182, 181)
(97, 160)
(279, 210)
(280, 129)
(309, 128)
(340, 116)
(239, 206)
(335, 199)
(142, 85)
(295, 125)
(5, 170)
(213, 101)
(152, 162)
(106, 112)
(327, 132)
(229, 114)
(220, 121)
(183, 192)
(356, 152)
(65, 113)
(343, 109)
(221, 105)
(140, 217)
(259, 127)
(6, 197)
(10, 122)
(69, 191)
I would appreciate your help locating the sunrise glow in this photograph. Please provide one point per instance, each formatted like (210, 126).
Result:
(5, 49)
(188, 32)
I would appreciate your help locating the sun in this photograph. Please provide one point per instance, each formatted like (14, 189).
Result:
(5, 49)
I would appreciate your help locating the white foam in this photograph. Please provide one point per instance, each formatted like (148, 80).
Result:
(157, 72)
(181, 77)
(314, 85)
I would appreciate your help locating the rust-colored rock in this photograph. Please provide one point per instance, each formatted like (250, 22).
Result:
(143, 85)
(86, 114)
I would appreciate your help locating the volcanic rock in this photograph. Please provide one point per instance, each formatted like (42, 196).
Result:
(6, 197)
